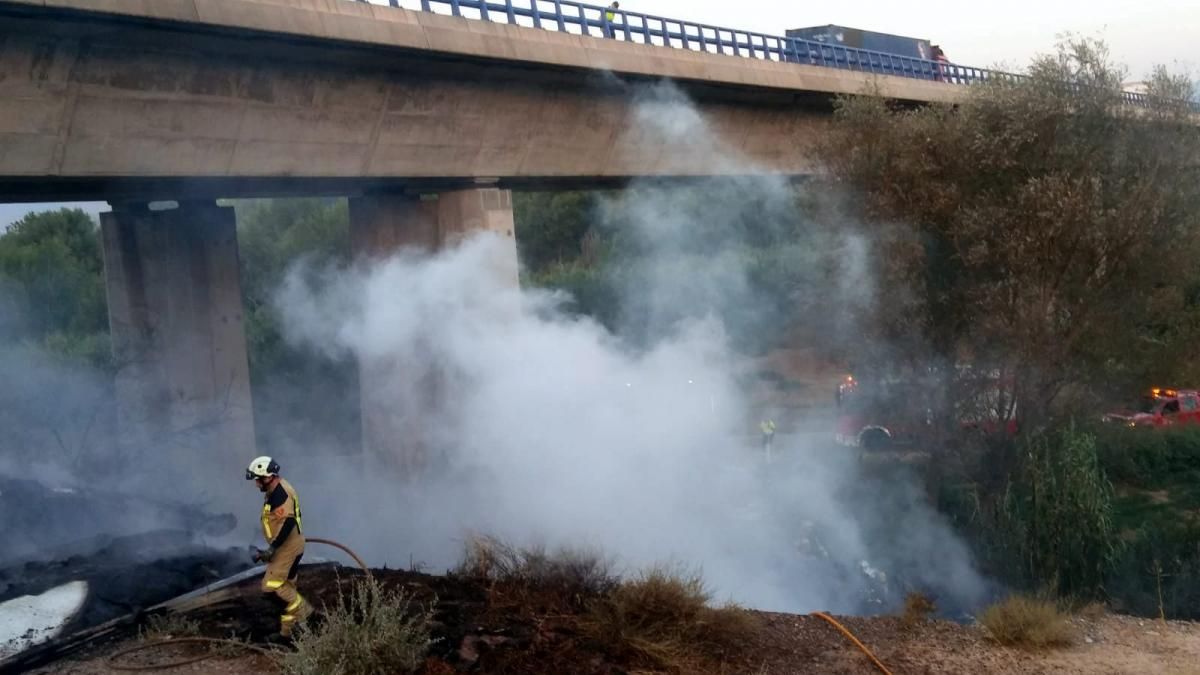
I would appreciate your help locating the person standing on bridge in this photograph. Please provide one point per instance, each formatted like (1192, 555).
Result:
(285, 542)
(610, 16)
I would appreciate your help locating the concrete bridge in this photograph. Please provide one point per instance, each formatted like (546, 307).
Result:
(424, 120)
(138, 98)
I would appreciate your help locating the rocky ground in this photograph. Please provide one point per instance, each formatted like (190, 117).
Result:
(477, 631)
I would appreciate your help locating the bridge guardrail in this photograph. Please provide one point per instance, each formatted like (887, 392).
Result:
(567, 16)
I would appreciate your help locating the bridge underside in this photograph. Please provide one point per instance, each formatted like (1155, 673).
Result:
(176, 319)
(21, 189)
(427, 145)
(99, 108)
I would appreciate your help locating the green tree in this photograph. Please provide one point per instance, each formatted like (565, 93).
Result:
(755, 252)
(1059, 513)
(561, 248)
(51, 271)
(1049, 231)
(297, 395)
(272, 235)
(551, 227)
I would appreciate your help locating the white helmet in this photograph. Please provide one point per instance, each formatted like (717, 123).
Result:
(262, 467)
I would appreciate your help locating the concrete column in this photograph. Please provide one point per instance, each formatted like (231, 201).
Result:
(175, 314)
(403, 401)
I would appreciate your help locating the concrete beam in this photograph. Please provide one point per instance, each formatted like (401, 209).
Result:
(175, 314)
(88, 101)
(392, 27)
(403, 397)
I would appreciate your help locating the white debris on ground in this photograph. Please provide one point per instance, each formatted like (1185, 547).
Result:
(31, 619)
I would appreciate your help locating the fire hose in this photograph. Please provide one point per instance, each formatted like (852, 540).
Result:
(113, 658)
(346, 550)
(850, 636)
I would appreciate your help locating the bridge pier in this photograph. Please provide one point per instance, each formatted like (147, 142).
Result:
(403, 400)
(175, 315)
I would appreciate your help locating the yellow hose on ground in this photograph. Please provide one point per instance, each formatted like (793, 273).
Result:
(112, 659)
(834, 622)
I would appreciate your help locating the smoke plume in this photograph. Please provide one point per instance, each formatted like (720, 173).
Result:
(547, 428)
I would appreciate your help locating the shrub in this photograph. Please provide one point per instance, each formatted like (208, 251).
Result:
(370, 630)
(918, 607)
(1030, 623)
(570, 576)
(662, 619)
(1147, 458)
(167, 626)
(1158, 572)
(1058, 514)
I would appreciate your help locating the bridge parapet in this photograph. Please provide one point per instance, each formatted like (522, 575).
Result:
(447, 33)
(578, 18)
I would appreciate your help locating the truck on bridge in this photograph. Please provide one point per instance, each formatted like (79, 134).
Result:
(843, 36)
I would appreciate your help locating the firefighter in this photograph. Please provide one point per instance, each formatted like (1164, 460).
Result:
(281, 523)
(767, 427)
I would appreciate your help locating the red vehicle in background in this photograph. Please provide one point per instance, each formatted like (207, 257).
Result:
(1161, 407)
(895, 412)
(880, 414)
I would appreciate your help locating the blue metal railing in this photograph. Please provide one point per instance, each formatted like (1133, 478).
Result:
(567, 16)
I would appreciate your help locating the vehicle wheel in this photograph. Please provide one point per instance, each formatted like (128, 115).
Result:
(875, 440)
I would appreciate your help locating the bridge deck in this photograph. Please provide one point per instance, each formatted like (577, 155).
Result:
(151, 98)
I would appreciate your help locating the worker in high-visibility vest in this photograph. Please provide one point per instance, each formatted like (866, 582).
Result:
(282, 528)
(610, 16)
(767, 427)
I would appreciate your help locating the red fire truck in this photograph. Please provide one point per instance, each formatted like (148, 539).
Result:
(1161, 407)
(883, 413)
(880, 413)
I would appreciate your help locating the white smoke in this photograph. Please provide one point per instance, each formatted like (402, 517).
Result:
(550, 429)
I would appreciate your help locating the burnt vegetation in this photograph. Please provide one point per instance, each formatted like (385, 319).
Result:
(503, 610)
(662, 619)
(1041, 231)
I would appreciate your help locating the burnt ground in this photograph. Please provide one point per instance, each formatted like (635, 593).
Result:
(48, 522)
(475, 628)
(132, 551)
(126, 574)
(480, 628)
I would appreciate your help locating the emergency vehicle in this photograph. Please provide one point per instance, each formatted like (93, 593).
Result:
(894, 412)
(1161, 407)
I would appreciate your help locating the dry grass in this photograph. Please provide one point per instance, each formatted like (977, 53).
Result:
(1030, 623)
(918, 608)
(1092, 611)
(372, 629)
(230, 648)
(662, 619)
(167, 626)
(170, 626)
(566, 578)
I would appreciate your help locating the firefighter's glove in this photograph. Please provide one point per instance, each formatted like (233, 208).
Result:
(265, 556)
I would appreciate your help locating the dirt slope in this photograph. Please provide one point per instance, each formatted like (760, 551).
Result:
(477, 633)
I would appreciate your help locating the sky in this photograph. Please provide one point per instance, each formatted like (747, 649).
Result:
(1140, 33)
